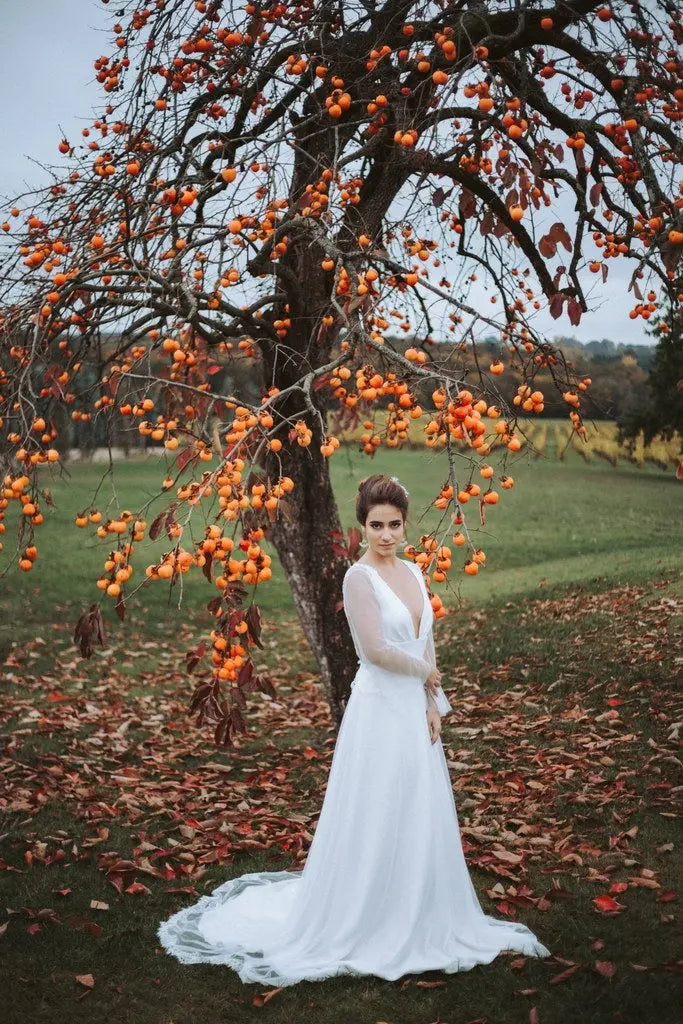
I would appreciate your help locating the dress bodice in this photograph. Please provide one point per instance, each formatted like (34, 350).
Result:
(393, 660)
(395, 618)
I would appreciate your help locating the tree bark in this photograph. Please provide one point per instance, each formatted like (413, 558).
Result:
(302, 538)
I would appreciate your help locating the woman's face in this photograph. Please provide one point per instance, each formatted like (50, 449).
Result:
(384, 529)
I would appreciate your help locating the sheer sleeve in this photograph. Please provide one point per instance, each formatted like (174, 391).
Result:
(439, 700)
(362, 610)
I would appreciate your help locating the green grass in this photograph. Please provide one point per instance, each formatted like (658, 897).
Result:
(562, 523)
(574, 611)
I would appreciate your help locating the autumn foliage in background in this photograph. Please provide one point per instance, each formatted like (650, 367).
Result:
(290, 185)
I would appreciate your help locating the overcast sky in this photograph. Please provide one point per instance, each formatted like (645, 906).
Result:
(47, 87)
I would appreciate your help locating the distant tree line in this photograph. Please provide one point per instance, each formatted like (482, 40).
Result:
(634, 385)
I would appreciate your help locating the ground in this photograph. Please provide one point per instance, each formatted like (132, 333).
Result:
(560, 663)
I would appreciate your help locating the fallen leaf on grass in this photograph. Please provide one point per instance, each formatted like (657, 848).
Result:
(608, 905)
(84, 924)
(138, 889)
(565, 974)
(98, 905)
(86, 980)
(258, 800)
(605, 967)
(261, 998)
(668, 896)
(505, 855)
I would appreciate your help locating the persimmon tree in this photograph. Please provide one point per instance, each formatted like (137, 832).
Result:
(660, 411)
(290, 183)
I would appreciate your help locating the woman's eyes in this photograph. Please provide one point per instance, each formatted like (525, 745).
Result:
(378, 526)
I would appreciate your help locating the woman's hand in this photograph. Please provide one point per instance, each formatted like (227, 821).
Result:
(434, 724)
(433, 681)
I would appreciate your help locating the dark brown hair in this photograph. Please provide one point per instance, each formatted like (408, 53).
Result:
(379, 489)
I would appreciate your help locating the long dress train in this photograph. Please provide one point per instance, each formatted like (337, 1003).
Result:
(385, 890)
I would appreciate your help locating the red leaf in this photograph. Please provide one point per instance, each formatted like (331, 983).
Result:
(605, 967)
(574, 310)
(486, 225)
(558, 233)
(261, 998)
(192, 658)
(84, 924)
(547, 247)
(668, 896)
(155, 528)
(253, 620)
(556, 303)
(355, 538)
(565, 974)
(185, 456)
(468, 204)
(579, 159)
(607, 905)
(138, 889)
(440, 195)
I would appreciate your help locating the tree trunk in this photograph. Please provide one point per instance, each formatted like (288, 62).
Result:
(302, 537)
(302, 532)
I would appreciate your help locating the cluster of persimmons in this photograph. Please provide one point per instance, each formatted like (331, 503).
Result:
(125, 222)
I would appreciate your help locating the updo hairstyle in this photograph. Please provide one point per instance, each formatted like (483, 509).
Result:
(379, 489)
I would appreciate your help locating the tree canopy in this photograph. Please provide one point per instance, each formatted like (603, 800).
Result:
(291, 183)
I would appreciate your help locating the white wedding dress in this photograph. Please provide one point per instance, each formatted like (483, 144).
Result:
(385, 890)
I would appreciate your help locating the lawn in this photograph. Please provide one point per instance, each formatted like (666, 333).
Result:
(560, 662)
(562, 523)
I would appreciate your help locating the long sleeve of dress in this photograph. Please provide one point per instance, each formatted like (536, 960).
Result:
(439, 700)
(362, 610)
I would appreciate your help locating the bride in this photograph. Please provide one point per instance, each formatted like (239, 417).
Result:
(385, 890)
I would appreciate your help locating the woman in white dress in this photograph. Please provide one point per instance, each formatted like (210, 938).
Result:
(385, 890)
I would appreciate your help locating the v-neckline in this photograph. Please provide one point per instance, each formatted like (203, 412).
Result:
(400, 600)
